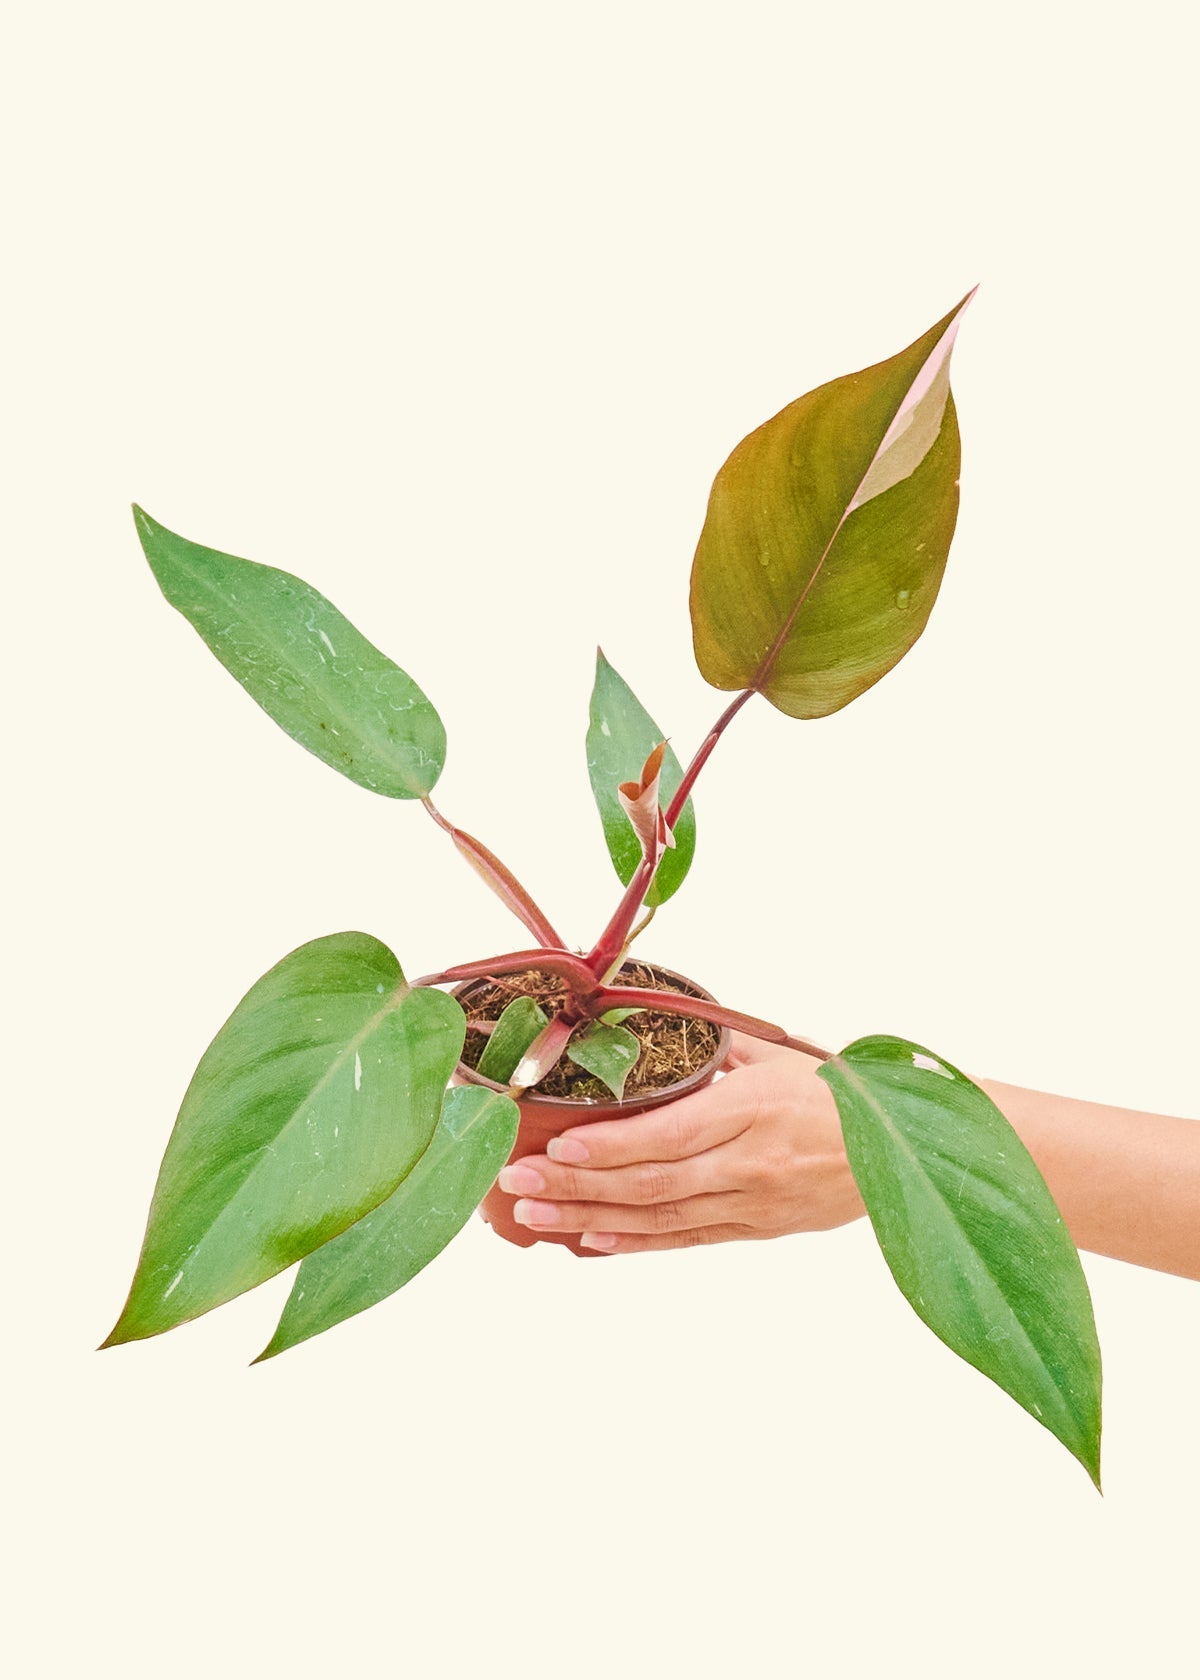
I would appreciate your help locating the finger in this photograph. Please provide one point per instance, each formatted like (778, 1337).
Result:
(612, 1242)
(633, 1186)
(655, 1219)
(685, 1127)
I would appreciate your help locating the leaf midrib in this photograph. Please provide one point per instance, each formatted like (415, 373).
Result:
(767, 663)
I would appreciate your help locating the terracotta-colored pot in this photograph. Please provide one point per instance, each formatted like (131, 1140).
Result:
(543, 1118)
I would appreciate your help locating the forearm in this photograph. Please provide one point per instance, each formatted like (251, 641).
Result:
(1127, 1183)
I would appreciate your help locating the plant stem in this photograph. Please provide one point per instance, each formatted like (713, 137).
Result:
(702, 755)
(643, 924)
(572, 968)
(499, 878)
(678, 1003)
(600, 958)
(616, 964)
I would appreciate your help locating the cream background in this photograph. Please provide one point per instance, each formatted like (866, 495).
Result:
(455, 311)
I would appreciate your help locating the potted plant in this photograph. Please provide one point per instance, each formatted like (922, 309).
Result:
(351, 1120)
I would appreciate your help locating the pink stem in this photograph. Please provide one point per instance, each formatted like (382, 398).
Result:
(612, 940)
(572, 968)
(702, 755)
(499, 878)
(677, 1003)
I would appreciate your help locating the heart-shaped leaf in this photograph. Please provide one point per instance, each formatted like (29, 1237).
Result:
(827, 534)
(305, 664)
(314, 1100)
(609, 1052)
(518, 1026)
(388, 1247)
(621, 734)
(971, 1233)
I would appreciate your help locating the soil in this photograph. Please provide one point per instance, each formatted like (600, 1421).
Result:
(672, 1045)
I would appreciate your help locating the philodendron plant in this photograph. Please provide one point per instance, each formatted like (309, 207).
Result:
(321, 1125)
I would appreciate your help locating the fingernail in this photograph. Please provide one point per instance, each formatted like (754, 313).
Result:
(569, 1151)
(521, 1180)
(535, 1213)
(603, 1240)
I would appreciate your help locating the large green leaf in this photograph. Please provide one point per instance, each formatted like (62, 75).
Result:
(971, 1233)
(827, 534)
(621, 735)
(314, 1100)
(387, 1248)
(306, 665)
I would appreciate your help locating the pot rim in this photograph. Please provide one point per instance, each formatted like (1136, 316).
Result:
(645, 1099)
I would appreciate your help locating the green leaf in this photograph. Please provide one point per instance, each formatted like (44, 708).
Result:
(971, 1233)
(314, 1100)
(614, 1017)
(388, 1247)
(610, 1053)
(306, 665)
(518, 1026)
(827, 534)
(621, 735)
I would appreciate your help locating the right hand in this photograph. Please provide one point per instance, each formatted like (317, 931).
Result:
(758, 1153)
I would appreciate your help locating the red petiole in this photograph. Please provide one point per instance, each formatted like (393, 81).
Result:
(700, 1009)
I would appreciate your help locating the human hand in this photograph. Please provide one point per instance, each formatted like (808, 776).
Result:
(758, 1153)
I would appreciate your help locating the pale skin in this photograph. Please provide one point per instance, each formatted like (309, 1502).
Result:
(759, 1154)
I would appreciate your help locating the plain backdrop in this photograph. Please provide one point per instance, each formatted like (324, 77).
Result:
(456, 311)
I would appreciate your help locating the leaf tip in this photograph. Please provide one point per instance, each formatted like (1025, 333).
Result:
(118, 1335)
(145, 522)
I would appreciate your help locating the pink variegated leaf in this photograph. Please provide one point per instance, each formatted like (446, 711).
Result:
(827, 534)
